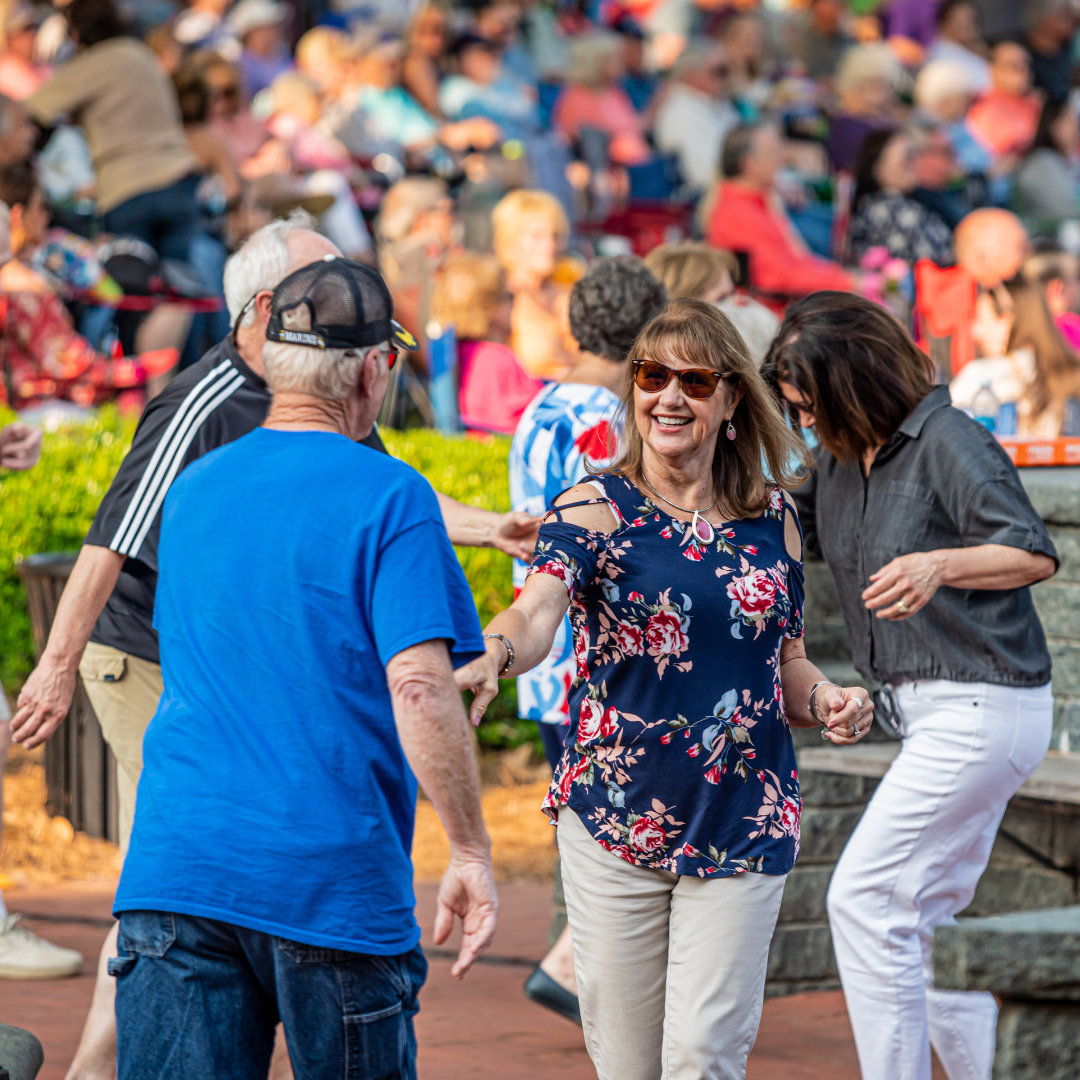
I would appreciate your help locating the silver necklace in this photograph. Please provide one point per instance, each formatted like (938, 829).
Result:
(696, 521)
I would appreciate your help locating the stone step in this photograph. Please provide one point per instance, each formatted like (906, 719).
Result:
(801, 952)
(804, 893)
(825, 830)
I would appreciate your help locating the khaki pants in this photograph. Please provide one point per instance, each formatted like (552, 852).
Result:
(124, 691)
(670, 969)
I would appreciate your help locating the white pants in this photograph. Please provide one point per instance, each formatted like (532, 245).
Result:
(913, 864)
(670, 969)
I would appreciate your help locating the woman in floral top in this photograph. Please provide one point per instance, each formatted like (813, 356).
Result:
(677, 796)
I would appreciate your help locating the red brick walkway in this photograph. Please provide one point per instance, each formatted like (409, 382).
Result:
(479, 1029)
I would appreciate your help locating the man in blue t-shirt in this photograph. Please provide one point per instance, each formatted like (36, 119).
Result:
(307, 655)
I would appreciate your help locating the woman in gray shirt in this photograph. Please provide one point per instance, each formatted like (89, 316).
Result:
(932, 543)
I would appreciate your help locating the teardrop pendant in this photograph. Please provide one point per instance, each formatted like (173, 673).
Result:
(701, 529)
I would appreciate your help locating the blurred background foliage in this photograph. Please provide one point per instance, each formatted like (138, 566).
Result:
(50, 508)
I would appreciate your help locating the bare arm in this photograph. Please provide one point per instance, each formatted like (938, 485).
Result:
(513, 534)
(20, 445)
(434, 734)
(46, 696)
(912, 580)
(839, 708)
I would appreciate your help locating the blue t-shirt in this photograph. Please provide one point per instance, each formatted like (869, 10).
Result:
(275, 794)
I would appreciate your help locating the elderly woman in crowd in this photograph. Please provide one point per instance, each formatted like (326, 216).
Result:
(677, 796)
(933, 543)
(530, 230)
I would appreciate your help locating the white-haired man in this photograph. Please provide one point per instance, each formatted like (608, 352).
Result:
(104, 623)
(307, 587)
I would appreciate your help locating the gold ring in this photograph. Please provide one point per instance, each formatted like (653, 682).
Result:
(901, 607)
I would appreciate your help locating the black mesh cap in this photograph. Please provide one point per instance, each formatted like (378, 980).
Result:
(335, 304)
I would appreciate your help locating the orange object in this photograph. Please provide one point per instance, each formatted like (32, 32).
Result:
(1028, 452)
(945, 305)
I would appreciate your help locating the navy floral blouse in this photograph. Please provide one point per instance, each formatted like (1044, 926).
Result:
(682, 758)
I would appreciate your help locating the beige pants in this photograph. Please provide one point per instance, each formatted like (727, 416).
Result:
(670, 969)
(124, 691)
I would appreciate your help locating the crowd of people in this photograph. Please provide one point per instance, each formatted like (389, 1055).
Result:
(652, 241)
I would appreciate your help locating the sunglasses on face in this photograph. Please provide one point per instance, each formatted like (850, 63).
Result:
(651, 377)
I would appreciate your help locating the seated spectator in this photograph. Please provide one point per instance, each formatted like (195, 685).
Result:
(1048, 181)
(530, 232)
(1004, 119)
(211, 151)
(327, 57)
(818, 38)
(201, 25)
(1026, 361)
(471, 296)
(693, 269)
(46, 360)
(424, 65)
(638, 81)
(1057, 274)
(1050, 25)
(593, 98)
(696, 115)
(500, 22)
(743, 38)
(255, 152)
(20, 73)
(480, 88)
(18, 133)
(127, 106)
(944, 91)
(416, 228)
(958, 39)
(259, 26)
(293, 116)
(749, 217)
(386, 112)
(885, 214)
(866, 82)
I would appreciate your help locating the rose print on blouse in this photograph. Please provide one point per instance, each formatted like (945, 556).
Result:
(756, 595)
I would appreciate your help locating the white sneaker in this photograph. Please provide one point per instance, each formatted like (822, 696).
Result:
(23, 955)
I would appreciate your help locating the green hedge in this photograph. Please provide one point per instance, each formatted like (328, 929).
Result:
(50, 508)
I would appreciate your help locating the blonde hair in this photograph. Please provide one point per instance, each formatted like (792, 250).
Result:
(747, 468)
(690, 268)
(322, 46)
(866, 63)
(511, 213)
(290, 91)
(588, 55)
(467, 293)
(405, 202)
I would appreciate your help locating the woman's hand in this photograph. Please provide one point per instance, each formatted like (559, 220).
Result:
(846, 713)
(905, 585)
(481, 676)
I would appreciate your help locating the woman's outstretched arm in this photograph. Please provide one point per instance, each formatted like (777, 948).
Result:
(529, 624)
(838, 708)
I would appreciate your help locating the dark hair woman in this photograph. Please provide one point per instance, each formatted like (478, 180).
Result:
(933, 543)
(885, 213)
(677, 796)
(146, 173)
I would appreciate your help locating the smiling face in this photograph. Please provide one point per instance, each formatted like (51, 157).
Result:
(677, 429)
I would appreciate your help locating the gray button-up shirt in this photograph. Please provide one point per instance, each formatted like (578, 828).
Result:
(941, 482)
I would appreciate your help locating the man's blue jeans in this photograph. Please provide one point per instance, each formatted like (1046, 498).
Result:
(200, 998)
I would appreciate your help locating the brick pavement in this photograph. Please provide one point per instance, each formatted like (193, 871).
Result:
(479, 1029)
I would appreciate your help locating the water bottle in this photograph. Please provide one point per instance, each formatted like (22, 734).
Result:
(1006, 419)
(985, 407)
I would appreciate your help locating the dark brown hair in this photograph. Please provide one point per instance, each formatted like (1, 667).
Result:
(857, 366)
(765, 452)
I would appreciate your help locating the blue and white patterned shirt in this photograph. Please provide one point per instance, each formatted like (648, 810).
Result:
(565, 424)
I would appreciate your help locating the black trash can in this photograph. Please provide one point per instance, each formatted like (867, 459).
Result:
(80, 770)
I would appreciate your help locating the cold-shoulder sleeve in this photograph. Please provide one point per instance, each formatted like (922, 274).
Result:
(569, 553)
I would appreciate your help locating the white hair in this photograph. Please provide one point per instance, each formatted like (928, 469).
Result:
(331, 374)
(864, 63)
(261, 262)
(941, 80)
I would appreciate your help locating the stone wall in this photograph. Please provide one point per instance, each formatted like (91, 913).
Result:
(1035, 863)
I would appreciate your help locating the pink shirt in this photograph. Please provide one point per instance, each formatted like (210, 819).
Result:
(1069, 325)
(609, 109)
(494, 387)
(19, 78)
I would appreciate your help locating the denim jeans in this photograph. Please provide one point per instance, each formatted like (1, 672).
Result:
(167, 220)
(200, 998)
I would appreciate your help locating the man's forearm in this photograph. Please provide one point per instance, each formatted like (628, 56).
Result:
(435, 736)
(92, 580)
(467, 526)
